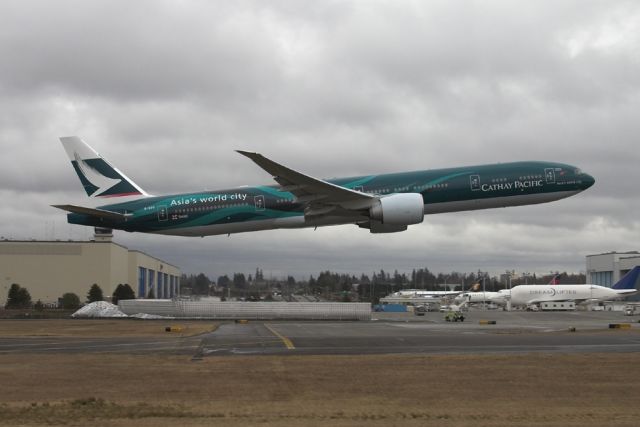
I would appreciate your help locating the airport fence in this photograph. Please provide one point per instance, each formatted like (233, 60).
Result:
(248, 310)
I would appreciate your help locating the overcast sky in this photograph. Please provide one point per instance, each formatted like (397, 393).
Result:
(166, 90)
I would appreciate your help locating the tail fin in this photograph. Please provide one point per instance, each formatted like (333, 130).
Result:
(629, 280)
(98, 177)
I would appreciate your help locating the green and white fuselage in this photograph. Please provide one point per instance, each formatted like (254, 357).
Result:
(381, 203)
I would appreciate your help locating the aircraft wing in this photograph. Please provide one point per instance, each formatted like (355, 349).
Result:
(100, 213)
(308, 189)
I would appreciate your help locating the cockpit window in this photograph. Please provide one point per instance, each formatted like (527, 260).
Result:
(578, 171)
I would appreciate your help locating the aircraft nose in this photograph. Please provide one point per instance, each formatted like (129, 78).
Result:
(587, 181)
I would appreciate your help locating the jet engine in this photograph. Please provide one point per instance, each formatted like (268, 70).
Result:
(398, 209)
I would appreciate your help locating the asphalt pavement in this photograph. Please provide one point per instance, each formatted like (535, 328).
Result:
(387, 333)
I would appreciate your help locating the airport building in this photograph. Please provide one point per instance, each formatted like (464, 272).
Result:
(607, 268)
(49, 269)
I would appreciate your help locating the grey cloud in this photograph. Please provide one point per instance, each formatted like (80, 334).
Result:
(143, 51)
(167, 91)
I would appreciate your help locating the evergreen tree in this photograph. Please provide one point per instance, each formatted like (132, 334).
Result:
(18, 297)
(239, 281)
(12, 296)
(24, 297)
(95, 294)
(187, 282)
(224, 281)
(201, 285)
(122, 292)
(116, 294)
(128, 292)
(70, 301)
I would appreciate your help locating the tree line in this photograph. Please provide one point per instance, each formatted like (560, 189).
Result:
(326, 285)
(19, 297)
(346, 286)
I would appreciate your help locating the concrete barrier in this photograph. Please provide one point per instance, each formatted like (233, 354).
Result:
(235, 310)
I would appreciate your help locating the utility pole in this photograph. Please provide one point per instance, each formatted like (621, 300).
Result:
(484, 292)
(510, 275)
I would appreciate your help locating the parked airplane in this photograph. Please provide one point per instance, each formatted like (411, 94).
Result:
(422, 293)
(417, 297)
(523, 295)
(380, 203)
(499, 298)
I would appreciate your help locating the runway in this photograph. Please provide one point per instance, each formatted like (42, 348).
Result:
(402, 333)
(395, 338)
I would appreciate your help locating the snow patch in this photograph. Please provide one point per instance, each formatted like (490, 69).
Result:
(99, 309)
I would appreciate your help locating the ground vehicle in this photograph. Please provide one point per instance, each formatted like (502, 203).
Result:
(454, 316)
(420, 310)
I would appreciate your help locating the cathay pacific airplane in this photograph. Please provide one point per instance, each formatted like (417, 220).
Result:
(380, 203)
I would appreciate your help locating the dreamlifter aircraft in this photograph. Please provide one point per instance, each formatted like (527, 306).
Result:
(536, 294)
(381, 203)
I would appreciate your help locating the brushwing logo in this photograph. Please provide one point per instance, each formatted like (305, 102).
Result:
(98, 180)
(474, 181)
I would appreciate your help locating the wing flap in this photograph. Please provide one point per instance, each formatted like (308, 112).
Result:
(99, 213)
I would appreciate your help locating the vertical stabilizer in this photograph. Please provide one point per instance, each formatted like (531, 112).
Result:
(99, 178)
(629, 280)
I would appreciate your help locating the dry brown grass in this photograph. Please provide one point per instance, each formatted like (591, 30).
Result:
(90, 328)
(407, 390)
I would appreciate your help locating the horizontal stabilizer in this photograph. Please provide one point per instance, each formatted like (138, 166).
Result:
(98, 213)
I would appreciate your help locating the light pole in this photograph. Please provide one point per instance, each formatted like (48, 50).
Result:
(6, 287)
(484, 290)
(510, 275)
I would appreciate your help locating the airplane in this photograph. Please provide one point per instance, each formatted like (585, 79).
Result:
(421, 293)
(416, 296)
(525, 295)
(380, 203)
(498, 298)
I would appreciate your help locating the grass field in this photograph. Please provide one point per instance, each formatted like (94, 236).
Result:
(388, 390)
(87, 328)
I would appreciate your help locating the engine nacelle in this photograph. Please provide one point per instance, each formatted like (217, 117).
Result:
(399, 209)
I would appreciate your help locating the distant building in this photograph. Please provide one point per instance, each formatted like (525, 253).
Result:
(607, 268)
(49, 269)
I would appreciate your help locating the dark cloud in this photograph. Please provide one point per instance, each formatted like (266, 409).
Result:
(167, 90)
